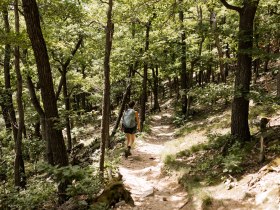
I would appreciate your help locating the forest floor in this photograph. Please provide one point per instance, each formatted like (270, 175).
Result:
(150, 187)
(154, 187)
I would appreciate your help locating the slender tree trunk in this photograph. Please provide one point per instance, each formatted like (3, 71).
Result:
(227, 63)
(67, 109)
(170, 85)
(278, 84)
(218, 45)
(31, 15)
(20, 179)
(122, 108)
(266, 62)
(105, 138)
(83, 95)
(183, 63)
(145, 79)
(40, 111)
(9, 107)
(155, 88)
(7, 52)
(240, 105)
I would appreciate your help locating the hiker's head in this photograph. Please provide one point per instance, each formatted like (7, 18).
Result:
(131, 104)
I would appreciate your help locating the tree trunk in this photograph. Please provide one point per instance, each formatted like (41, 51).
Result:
(122, 108)
(218, 45)
(3, 100)
(145, 79)
(9, 107)
(183, 64)
(227, 62)
(20, 178)
(266, 62)
(278, 84)
(41, 113)
(155, 89)
(67, 109)
(31, 15)
(240, 105)
(105, 140)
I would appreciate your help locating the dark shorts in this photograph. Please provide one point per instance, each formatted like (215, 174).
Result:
(129, 130)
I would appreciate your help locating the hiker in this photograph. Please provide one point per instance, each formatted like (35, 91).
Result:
(130, 124)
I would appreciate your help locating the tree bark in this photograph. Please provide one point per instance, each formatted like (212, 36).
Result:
(45, 78)
(155, 88)
(122, 108)
(145, 78)
(20, 178)
(240, 105)
(67, 109)
(9, 107)
(40, 111)
(184, 100)
(31, 15)
(278, 84)
(218, 45)
(105, 140)
(267, 59)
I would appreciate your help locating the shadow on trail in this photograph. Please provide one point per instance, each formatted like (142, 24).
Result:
(142, 171)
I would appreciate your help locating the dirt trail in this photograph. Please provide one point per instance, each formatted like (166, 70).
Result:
(142, 171)
(152, 189)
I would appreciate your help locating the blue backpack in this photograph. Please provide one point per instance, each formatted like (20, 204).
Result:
(129, 120)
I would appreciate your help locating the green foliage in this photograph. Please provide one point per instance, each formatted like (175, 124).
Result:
(33, 149)
(179, 120)
(260, 95)
(274, 148)
(212, 94)
(169, 159)
(207, 201)
(38, 192)
(83, 180)
(222, 154)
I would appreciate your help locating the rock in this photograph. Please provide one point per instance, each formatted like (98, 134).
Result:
(148, 192)
(269, 199)
(121, 203)
(113, 194)
(74, 204)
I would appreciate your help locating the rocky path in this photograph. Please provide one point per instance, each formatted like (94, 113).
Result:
(142, 172)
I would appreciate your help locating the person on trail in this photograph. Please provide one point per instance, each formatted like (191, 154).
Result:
(130, 124)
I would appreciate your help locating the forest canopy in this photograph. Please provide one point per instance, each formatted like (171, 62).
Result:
(66, 65)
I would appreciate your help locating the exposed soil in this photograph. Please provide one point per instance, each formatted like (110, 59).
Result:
(154, 188)
(151, 188)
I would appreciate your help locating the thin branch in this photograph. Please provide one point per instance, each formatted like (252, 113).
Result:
(59, 87)
(104, 2)
(149, 81)
(78, 45)
(227, 5)
(98, 23)
(33, 97)
(72, 90)
(56, 59)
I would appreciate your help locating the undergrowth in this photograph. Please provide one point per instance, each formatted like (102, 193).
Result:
(209, 162)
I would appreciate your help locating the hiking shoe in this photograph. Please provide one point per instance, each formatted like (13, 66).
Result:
(127, 152)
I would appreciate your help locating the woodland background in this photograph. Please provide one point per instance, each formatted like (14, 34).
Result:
(67, 67)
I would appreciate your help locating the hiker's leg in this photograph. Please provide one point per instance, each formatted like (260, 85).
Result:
(128, 139)
(132, 139)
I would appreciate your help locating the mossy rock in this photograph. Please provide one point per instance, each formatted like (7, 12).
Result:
(112, 194)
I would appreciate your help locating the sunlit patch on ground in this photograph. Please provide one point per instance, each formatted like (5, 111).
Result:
(142, 172)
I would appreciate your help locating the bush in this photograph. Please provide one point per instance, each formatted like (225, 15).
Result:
(212, 93)
(83, 180)
(34, 197)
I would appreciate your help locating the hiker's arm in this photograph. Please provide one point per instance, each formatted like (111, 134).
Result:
(137, 120)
